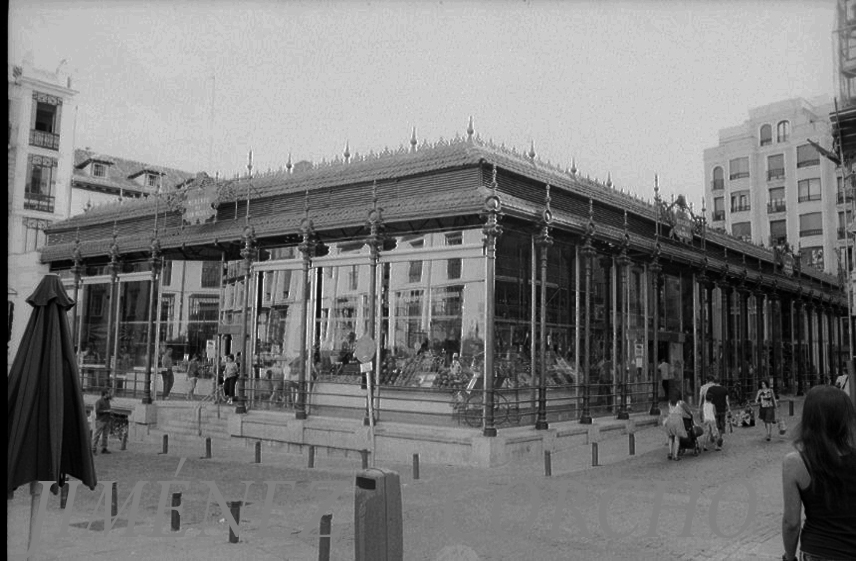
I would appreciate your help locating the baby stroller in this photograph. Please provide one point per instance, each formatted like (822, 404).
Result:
(691, 442)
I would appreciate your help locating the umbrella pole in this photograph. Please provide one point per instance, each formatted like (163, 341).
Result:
(35, 524)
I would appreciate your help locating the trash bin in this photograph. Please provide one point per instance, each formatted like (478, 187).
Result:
(378, 531)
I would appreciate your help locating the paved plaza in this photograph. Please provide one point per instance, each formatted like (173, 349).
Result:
(720, 505)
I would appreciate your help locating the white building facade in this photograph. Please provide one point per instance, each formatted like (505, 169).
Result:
(766, 183)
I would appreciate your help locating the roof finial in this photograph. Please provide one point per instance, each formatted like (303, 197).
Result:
(470, 129)
(306, 204)
(347, 153)
(531, 152)
(493, 183)
(413, 141)
(288, 164)
(609, 180)
(250, 163)
(574, 166)
(656, 188)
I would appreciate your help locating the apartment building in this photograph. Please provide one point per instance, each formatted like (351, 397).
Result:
(767, 184)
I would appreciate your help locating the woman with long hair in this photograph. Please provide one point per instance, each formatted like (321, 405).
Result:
(820, 478)
(767, 400)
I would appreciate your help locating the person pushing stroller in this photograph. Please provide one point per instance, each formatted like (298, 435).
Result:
(679, 426)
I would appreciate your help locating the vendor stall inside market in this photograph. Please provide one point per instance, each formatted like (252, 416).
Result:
(463, 282)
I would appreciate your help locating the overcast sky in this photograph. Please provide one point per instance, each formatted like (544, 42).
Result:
(627, 88)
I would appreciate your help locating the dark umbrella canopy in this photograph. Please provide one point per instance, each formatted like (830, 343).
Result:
(48, 434)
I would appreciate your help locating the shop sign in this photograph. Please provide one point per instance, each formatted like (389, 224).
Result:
(788, 264)
(198, 206)
(683, 226)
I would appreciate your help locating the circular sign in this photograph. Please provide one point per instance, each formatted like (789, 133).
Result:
(364, 350)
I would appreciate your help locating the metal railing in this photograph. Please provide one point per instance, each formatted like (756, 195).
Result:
(38, 201)
(775, 174)
(778, 240)
(44, 139)
(718, 215)
(807, 163)
(812, 232)
(841, 197)
(739, 175)
(776, 206)
(741, 208)
(808, 198)
(717, 184)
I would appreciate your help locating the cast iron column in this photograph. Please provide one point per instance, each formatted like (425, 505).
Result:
(113, 267)
(775, 342)
(743, 357)
(375, 242)
(545, 240)
(307, 249)
(810, 366)
(491, 230)
(798, 351)
(247, 252)
(760, 339)
(622, 365)
(703, 333)
(655, 269)
(590, 254)
(155, 262)
(77, 270)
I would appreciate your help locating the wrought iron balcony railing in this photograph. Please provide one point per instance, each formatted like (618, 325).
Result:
(775, 174)
(44, 139)
(776, 206)
(812, 232)
(38, 201)
(718, 215)
(741, 208)
(717, 184)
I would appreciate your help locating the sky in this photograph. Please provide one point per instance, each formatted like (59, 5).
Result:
(626, 89)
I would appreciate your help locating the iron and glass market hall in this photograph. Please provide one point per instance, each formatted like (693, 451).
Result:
(411, 273)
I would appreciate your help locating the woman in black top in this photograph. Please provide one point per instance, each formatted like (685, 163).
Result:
(820, 478)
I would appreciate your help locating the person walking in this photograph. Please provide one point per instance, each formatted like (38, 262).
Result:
(768, 403)
(230, 373)
(708, 418)
(167, 374)
(665, 370)
(103, 417)
(192, 376)
(819, 478)
(675, 428)
(719, 397)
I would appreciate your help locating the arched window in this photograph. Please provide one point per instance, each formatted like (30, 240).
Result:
(766, 135)
(718, 179)
(783, 131)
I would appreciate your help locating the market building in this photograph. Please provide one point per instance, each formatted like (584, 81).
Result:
(437, 263)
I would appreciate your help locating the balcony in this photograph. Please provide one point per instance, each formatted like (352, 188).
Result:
(739, 175)
(778, 240)
(741, 208)
(809, 198)
(717, 184)
(776, 206)
(813, 232)
(841, 197)
(44, 139)
(38, 201)
(774, 174)
(718, 215)
(842, 233)
(807, 163)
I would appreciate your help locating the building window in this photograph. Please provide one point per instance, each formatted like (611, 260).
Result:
(415, 268)
(739, 168)
(812, 257)
(151, 180)
(210, 274)
(776, 167)
(354, 277)
(783, 131)
(843, 220)
(843, 194)
(742, 230)
(166, 273)
(807, 155)
(99, 170)
(777, 200)
(778, 232)
(38, 194)
(167, 316)
(719, 208)
(718, 179)
(44, 132)
(285, 284)
(34, 233)
(453, 265)
(740, 201)
(809, 190)
(811, 224)
(766, 135)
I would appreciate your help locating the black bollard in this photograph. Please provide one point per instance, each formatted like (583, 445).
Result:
(791, 408)
(365, 457)
(63, 495)
(235, 509)
(311, 457)
(594, 454)
(123, 444)
(258, 451)
(175, 522)
(632, 441)
(324, 537)
(114, 499)
(548, 463)
(208, 448)
(165, 444)
(415, 466)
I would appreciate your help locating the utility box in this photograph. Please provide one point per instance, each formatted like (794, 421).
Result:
(378, 530)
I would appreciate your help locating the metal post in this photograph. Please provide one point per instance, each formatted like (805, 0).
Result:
(415, 466)
(589, 253)
(155, 262)
(797, 330)
(307, 249)
(207, 447)
(165, 444)
(545, 240)
(258, 451)
(548, 463)
(112, 309)
(374, 241)
(311, 462)
(622, 363)
(704, 334)
(631, 441)
(655, 269)
(491, 230)
(76, 269)
(114, 499)
(247, 252)
(63, 495)
(175, 521)
(594, 458)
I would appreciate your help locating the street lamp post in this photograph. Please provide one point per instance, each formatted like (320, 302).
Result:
(624, 262)
(589, 253)
(155, 262)
(248, 252)
(491, 230)
(545, 240)
(307, 249)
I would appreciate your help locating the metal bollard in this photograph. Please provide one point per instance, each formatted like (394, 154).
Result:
(175, 521)
(258, 451)
(791, 408)
(114, 499)
(311, 457)
(548, 463)
(632, 441)
(208, 448)
(63, 495)
(324, 537)
(415, 466)
(594, 454)
(365, 457)
(235, 509)
(165, 444)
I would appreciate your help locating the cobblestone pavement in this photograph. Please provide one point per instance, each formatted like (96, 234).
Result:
(720, 505)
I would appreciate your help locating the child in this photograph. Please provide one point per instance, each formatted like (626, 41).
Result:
(678, 410)
(708, 417)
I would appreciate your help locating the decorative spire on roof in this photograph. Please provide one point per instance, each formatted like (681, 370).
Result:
(609, 180)
(574, 166)
(288, 164)
(413, 141)
(250, 163)
(470, 129)
(347, 153)
(531, 153)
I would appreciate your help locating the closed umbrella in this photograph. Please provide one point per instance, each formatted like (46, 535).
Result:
(47, 430)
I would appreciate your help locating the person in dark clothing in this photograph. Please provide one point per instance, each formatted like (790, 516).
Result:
(819, 477)
(103, 417)
(719, 398)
